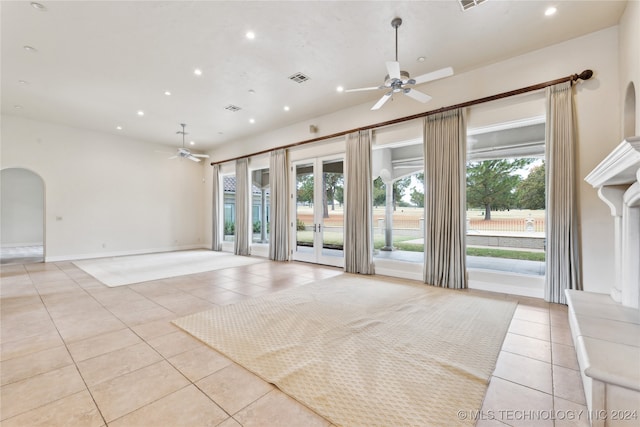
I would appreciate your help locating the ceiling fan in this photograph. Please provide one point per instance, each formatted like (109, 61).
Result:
(185, 153)
(397, 81)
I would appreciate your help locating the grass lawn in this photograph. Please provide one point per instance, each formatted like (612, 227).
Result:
(337, 239)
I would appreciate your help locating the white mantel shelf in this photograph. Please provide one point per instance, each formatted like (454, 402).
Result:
(619, 167)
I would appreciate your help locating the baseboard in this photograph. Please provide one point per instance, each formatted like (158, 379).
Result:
(59, 258)
(20, 245)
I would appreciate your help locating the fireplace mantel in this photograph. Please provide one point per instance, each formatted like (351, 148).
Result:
(617, 179)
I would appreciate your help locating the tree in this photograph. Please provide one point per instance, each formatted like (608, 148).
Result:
(379, 192)
(417, 197)
(331, 182)
(531, 190)
(491, 183)
(305, 188)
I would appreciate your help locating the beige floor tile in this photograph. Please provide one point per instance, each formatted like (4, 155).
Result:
(233, 388)
(530, 329)
(278, 409)
(567, 384)
(119, 362)
(570, 414)
(121, 395)
(76, 328)
(42, 389)
(564, 355)
(30, 344)
(156, 328)
(33, 364)
(525, 371)
(77, 410)
(489, 422)
(527, 346)
(561, 336)
(133, 318)
(174, 343)
(199, 363)
(185, 407)
(230, 422)
(101, 344)
(532, 314)
(508, 402)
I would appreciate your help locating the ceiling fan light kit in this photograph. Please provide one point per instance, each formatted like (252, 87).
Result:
(400, 81)
(184, 152)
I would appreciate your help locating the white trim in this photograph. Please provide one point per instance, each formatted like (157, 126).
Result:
(507, 125)
(619, 167)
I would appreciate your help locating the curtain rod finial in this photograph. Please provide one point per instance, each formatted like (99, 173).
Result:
(585, 75)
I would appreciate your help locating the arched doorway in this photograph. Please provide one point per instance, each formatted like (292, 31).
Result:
(22, 216)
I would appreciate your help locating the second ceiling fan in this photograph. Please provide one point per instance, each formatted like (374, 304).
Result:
(399, 81)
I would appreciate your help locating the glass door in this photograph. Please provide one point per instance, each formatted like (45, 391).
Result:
(319, 211)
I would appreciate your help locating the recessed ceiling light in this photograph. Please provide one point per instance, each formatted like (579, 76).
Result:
(251, 91)
(250, 35)
(421, 59)
(119, 127)
(17, 107)
(192, 142)
(340, 89)
(197, 72)
(286, 108)
(550, 11)
(30, 48)
(252, 121)
(23, 82)
(220, 133)
(140, 113)
(166, 92)
(38, 6)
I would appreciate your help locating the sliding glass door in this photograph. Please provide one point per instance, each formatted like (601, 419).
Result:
(318, 210)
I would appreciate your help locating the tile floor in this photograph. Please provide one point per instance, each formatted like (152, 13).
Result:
(75, 352)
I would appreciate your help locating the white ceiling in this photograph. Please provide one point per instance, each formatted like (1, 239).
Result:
(99, 62)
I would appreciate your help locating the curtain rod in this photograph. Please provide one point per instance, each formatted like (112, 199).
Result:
(585, 75)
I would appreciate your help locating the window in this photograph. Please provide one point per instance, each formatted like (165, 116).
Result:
(229, 182)
(260, 205)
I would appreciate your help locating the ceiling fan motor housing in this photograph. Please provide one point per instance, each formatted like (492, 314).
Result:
(396, 84)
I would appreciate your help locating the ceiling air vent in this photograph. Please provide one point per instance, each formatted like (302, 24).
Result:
(232, 107)
(468, 4)
(299, 78)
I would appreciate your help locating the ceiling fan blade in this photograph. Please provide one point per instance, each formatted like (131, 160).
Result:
(381, 101)
(204, 156)
(393, 69)
(434, 75)
(417, 95)
(191, 157)
(363, 88)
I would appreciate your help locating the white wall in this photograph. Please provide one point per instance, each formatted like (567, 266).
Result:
(630, 54)
(105, 194)
(22, 202)
(598, 104)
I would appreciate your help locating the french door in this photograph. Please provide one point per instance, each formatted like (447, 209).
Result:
(318, 209)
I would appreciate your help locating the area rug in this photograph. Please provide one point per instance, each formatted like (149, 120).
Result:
(366, 351)
(126, 270)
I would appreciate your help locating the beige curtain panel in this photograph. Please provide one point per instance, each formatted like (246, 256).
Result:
(279, 206)
(358, 214)
(243, 208)
(216, 211)
(445, 149)
(563, 246)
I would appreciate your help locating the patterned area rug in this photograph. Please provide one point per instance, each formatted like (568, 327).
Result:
(126, 270)
(366, 351)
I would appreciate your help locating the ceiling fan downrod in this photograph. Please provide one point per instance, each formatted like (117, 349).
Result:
(395, 23)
